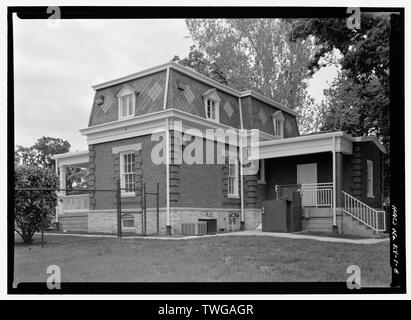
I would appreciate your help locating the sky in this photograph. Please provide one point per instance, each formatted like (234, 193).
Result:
(54, 69)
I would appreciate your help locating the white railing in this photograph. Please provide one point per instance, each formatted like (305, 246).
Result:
(317, 194)
(371, 217)
(76, 202)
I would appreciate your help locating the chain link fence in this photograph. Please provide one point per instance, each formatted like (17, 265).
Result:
(118, 212)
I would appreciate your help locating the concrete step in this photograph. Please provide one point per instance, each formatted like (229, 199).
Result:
(353, 226)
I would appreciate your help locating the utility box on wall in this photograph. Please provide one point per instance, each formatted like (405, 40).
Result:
(211, 225)
(282, 215)
(194, 228)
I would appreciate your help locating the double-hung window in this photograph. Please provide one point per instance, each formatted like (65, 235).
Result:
(278, 124)
(126, 106)
(233, 177)
(212, 105)
(127, 173)
(277, 127)
(211, 110)
(126, 102)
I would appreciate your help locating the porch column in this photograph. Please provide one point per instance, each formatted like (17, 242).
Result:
(335, 227)
(63, 180)
(62, 176)
(339, 179)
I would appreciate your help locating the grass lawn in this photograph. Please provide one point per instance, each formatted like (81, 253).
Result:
(231, 258)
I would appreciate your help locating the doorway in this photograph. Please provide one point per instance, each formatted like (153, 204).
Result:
(307, 176)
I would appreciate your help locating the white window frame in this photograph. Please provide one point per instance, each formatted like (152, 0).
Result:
(370, 179)
(212, 97)
(125, 193)
(124, 92)
(127, 217)
(261, 169)
(233, 177)
(214, 116)
(278, 124)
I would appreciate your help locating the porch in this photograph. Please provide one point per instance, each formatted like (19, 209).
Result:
(72, 201)
(328, 171)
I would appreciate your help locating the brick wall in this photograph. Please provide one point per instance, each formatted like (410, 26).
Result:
(363, 151)
(106, 171)
(201, 185)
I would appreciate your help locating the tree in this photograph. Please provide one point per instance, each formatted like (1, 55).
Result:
(31, 208)
(41, 152)
(364, 60)
(197, 61)
(257, 54)
(25, 155)
(46, 147)
(358, 101)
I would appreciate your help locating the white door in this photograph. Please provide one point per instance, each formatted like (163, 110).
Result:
(307, 176)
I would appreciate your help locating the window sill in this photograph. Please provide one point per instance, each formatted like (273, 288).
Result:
(129, 229)
(233, 196)
(370, 196)
(127, 117)
(128, 195)
(261, 182)
(213, 120)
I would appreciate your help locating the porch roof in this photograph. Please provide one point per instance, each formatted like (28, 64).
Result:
(308, 144)
(72, 159)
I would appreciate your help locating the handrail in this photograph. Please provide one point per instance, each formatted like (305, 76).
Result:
(363, 212)
(76, 195)
(366, 205)
(318, 184)
(317, 194)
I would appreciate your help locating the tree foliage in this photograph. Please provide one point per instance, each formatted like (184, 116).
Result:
(365, 65)
(196, 60)
(257, 54)
(358, 100)
(46, 147)
(32, 206)
(40, 154)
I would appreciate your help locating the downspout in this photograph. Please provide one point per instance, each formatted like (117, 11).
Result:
(57, 207)
(242, 223)
(335, 228)
(166, 88)
(168, 223)
(168, 226)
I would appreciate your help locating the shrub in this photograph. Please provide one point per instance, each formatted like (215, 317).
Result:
(31, 206)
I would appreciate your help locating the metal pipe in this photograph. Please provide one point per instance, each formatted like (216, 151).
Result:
(168, 227)
(334, 184)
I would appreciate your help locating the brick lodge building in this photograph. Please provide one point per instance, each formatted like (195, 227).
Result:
(338, 176)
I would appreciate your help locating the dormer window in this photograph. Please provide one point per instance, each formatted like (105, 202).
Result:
(211, 112)
(212, 105)
(126, 102)
(278, 124)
